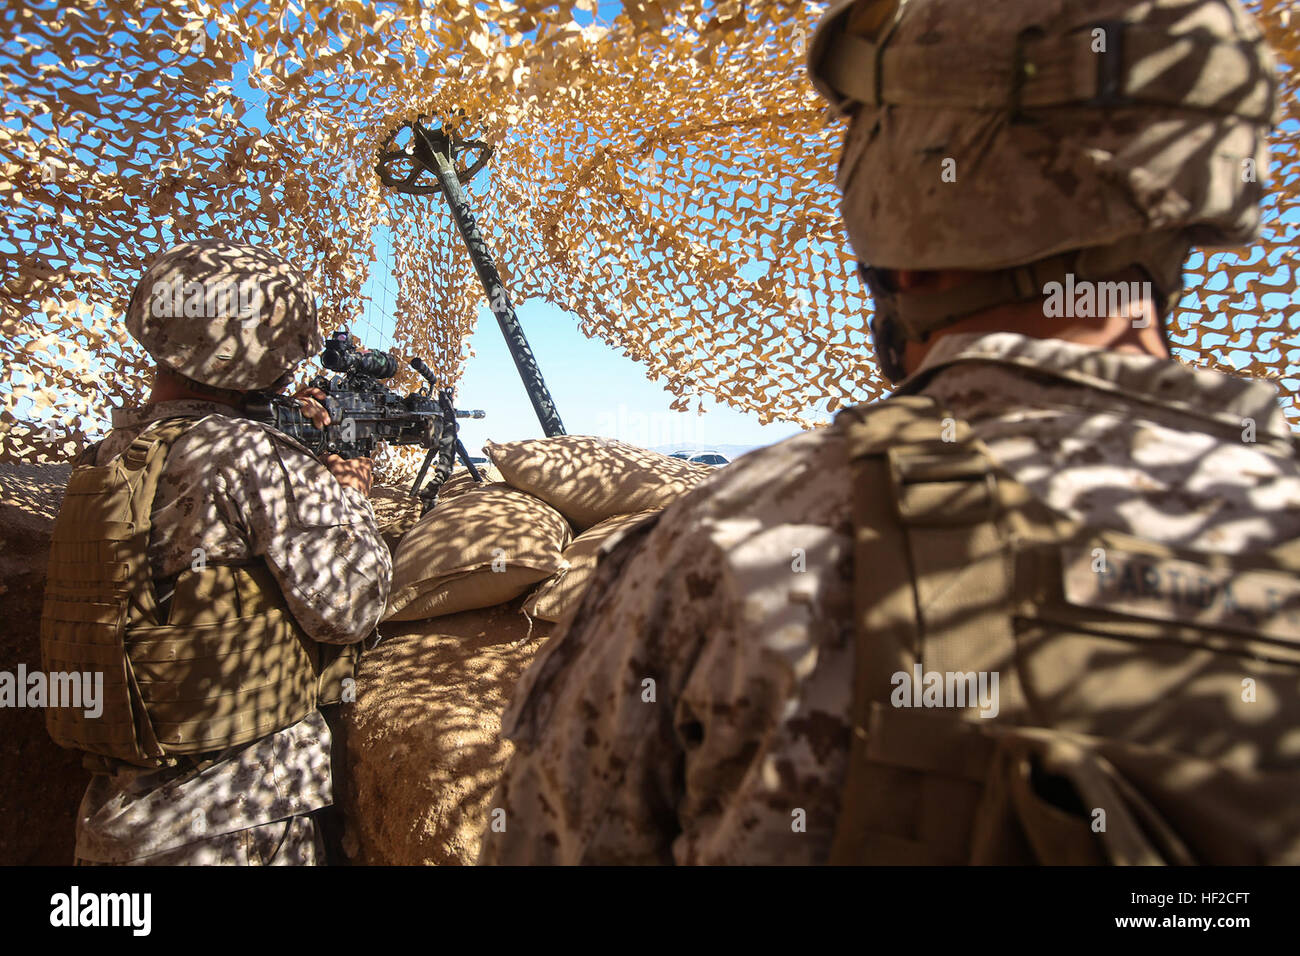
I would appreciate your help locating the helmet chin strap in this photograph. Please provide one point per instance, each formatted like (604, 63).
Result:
(902, 317)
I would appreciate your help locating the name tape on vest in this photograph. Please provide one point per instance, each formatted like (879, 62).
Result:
(1184, 592)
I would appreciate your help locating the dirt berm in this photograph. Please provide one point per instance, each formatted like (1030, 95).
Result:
(40, 784)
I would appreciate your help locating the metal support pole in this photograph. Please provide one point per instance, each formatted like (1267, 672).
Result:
(435, 151)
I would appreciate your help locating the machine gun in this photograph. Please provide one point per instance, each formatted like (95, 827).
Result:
(363, 412)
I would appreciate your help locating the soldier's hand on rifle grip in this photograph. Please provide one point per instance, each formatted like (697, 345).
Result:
(351, 472)
(310, 399)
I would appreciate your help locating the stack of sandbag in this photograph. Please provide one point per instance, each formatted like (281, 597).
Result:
(603, 487)
(422, 743)
(589, 479)
(422, 739)
(487, 543)
(476, 550)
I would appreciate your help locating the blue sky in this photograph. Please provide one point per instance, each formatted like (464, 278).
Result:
(597, 391)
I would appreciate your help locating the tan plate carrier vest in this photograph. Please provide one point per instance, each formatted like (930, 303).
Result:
(229, 665)
(1148, 698)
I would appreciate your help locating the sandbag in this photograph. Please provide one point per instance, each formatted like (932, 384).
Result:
(557, 596)
(462, 481)
(589, 479)
(475, 551)
(420, 748)
(397, 511)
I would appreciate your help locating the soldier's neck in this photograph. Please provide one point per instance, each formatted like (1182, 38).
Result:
(169, 388)
(1118, 333)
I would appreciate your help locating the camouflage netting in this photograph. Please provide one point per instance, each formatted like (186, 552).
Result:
(666, 176)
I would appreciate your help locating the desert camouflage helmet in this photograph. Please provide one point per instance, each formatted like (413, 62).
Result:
(992, 136)
(224, 314)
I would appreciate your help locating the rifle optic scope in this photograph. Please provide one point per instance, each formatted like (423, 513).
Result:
(340, 356)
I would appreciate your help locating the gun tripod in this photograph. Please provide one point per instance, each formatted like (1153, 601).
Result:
(448, 444)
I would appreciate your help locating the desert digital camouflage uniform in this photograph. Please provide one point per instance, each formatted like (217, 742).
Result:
(753, 660)
(698, 707)
(236, 491)
(231, 493)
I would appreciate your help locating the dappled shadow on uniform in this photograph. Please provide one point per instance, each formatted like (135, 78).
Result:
(222, 661)
(422, 752)
(1183, 733)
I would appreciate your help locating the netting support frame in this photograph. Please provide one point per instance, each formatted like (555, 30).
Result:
(434, 151)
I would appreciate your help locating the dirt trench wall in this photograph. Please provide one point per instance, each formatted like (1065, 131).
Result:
(40, 784)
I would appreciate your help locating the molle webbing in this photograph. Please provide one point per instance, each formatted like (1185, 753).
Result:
(227, 665)
(98, 583)
(919, 502)
(1121, 734)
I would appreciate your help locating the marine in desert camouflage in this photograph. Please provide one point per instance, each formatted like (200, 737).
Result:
(706, 703)
(223, 320)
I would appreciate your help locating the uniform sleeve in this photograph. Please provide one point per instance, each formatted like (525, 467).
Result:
(596, 761)
(639, 722)
(320, 539)
(668, 722)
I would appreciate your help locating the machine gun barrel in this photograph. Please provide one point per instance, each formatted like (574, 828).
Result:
(426, 373)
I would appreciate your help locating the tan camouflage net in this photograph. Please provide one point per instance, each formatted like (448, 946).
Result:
(666, 176)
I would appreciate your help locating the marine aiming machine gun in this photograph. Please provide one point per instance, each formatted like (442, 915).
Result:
(363, 412)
